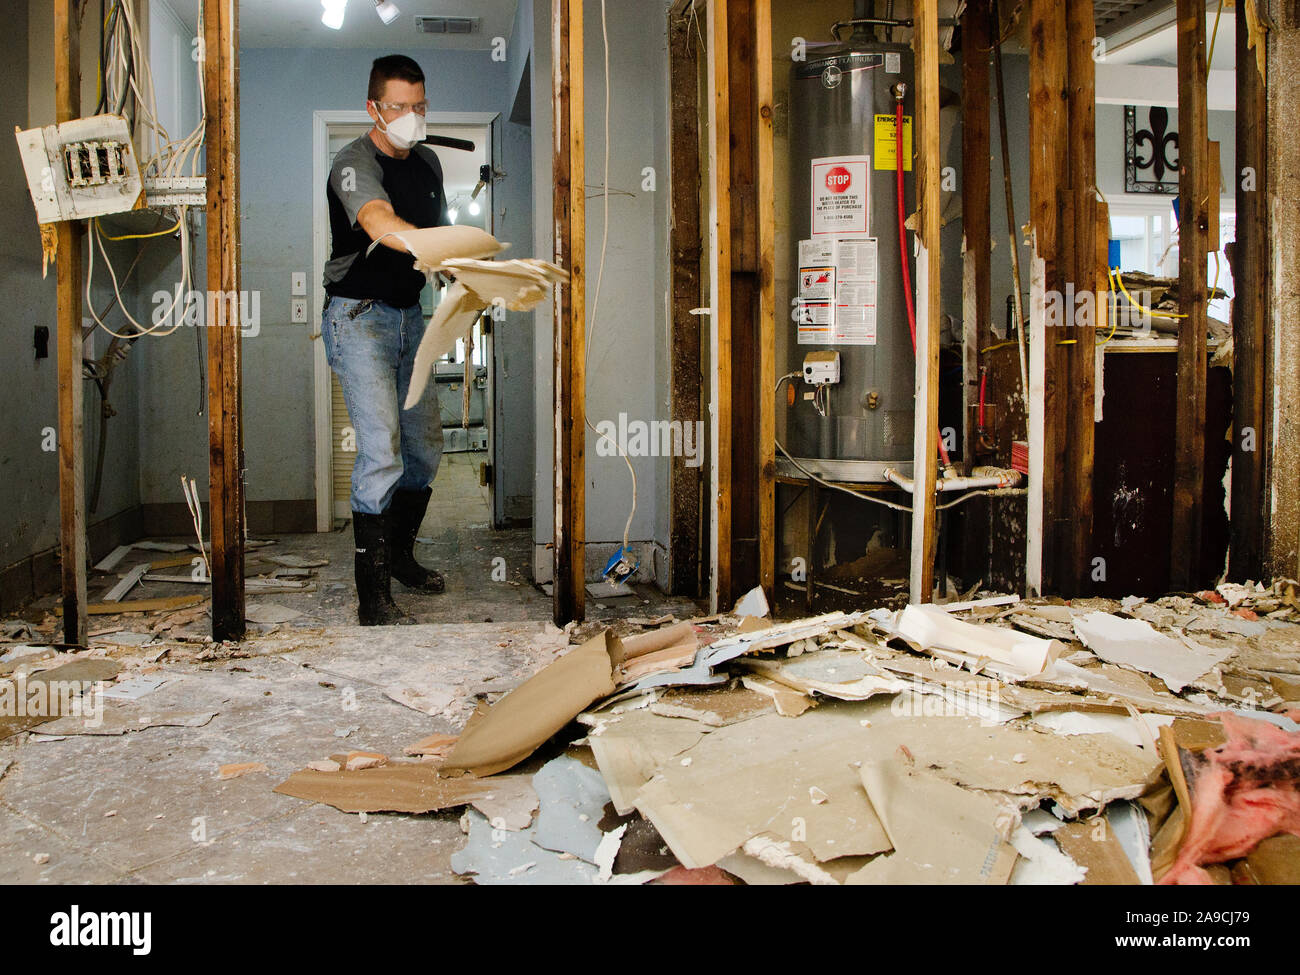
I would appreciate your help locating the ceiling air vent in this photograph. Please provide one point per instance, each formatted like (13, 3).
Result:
(446, 25)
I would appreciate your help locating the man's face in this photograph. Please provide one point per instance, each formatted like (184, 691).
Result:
(399, 98)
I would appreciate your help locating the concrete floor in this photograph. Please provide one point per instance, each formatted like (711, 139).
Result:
(147, 806)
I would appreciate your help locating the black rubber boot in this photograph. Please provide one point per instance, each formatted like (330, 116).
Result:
(404, 514)
(373, 579)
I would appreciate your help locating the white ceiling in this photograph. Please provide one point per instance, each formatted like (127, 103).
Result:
(296, 23)
(1156, 42)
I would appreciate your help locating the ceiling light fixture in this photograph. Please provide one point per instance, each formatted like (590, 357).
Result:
(387, 10)
(332, 17)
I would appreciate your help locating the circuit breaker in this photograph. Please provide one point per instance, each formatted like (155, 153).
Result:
(81, 169)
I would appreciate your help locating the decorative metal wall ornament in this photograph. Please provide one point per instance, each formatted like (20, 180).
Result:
(1150, 154)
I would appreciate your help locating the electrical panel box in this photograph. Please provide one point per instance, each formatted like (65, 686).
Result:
(81, 169)
(821, 368)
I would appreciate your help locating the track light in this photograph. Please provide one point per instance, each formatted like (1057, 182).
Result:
(332, 17)
(387, 10)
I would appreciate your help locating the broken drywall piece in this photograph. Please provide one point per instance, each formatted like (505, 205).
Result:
(431, 746)
(667, 661)
(1128, 821)
(236, 769)
(126, 584)
(1007, 653)
(134, 688)
(1040, 821)
(756, 873)
(110, 561)
(847, 676)
(1114, 683)
(779, 859)
(789, 703)
(423, 690)
(1138, 645)
(152, 545)
(119, 721)
(573, 798)
(941, 833)
(715, 708)
(1041, 862)
(754, 777)
(753, 603)
(270, 613)
(296, 561)
(652, 641)
(607, 852)
(1122, 726)
(512, 807)
(57, 694)
(516, 725)
(497, 857)
(629, 749)
(414, 787)
(1077, 772)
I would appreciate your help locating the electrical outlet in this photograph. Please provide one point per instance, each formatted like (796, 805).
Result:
(298, 311)
(298, 283)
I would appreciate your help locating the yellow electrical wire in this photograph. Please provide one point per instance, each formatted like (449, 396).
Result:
(159, 233)
(1214, 37)
(1133, 301)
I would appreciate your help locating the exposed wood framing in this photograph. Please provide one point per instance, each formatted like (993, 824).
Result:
(925, 44)
(976, 214)
(70, 234)
(1193, 226)
(225, 407)
(766, 204)
(1079, 242)
(685, 485)
(720, 485)
(570, 313)
(1250, 317)
(1282, 203)
(1049, 166)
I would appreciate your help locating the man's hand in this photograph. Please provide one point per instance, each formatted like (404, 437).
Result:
(377, 218)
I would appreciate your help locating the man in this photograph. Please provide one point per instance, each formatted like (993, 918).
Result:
(383, 182)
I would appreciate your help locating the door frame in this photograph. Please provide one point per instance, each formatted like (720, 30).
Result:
(322, 121)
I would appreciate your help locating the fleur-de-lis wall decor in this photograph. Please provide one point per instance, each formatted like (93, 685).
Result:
(1150, 153)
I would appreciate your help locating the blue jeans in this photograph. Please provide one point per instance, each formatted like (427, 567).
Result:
(371, 348)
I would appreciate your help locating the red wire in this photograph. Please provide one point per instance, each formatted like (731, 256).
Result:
(902, 248)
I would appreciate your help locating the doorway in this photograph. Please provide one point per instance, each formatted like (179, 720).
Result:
(464, 380)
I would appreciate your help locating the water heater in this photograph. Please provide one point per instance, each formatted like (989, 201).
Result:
(847, 291)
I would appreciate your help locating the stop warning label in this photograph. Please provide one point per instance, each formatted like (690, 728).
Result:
(840, 194)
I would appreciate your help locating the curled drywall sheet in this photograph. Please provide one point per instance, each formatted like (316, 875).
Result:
(513, 727)
(1008, 653)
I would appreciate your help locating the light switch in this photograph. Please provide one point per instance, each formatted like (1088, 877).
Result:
(298, 283)
(298, 311)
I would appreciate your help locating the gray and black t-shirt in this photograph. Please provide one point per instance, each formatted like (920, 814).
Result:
(413, 186)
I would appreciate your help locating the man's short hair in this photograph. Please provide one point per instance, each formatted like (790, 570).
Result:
(393, 67)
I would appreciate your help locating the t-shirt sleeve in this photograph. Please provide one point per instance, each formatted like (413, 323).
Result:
(356, 179)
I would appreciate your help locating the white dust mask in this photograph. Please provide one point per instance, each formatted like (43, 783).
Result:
(406, 131)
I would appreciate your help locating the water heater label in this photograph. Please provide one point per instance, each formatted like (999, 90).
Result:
(887, 143)
(840, 195)
(856, 260)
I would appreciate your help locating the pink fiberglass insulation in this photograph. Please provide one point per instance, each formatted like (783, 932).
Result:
(1244, 791)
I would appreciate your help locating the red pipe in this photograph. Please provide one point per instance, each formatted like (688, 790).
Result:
(902, 247)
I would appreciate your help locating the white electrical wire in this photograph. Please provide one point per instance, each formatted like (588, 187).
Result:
(600, 274)
(183, 291)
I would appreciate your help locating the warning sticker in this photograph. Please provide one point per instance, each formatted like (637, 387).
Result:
(854, 320)
(887, 143)
(814, 321)
(840, 195)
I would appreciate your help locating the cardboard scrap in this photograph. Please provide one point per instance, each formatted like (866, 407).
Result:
(941, 833)
(715, 708)
(1093, 845)
(28, 701)
(789, 703)
(522, 720)
(235, 770)
(1139, 645)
